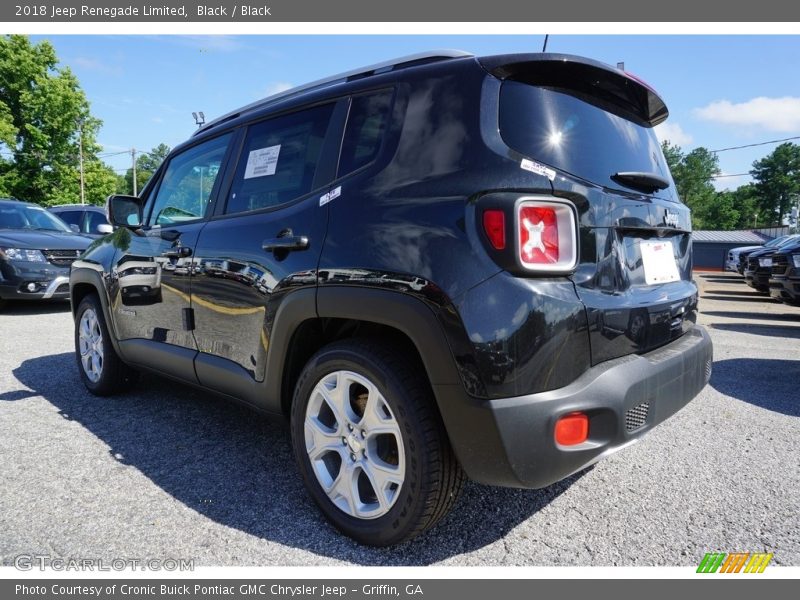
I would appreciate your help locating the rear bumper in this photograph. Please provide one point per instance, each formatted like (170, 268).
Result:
(510, 441)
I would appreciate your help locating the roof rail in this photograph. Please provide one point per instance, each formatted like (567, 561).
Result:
(382, 67)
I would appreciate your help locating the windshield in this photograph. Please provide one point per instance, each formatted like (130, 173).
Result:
(789, 239)
(24, 216)
(570, 134)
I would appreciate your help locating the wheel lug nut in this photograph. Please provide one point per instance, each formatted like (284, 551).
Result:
(344, 441)
(353, 457)
(350, 427)
(363, 433)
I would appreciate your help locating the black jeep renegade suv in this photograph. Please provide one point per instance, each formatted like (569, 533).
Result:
(435, 267)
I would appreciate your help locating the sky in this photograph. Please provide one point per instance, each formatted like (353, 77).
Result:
(721, 90)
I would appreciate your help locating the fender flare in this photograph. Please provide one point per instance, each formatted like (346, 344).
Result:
(85, 275)
(404, 312)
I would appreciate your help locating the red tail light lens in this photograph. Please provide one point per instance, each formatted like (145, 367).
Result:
(572, 429)
(538, 235)
(494, 224)
(547, 235)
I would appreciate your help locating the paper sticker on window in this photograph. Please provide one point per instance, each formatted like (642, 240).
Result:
(262, 162)
(535, 167)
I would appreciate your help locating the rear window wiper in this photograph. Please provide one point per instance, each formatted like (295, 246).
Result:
(643, 182)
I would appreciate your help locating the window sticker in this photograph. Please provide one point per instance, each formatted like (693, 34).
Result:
(332, 195)
(537, 168)
(262, 162)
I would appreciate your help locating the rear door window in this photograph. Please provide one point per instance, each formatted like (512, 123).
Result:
(71, 217)
(94, 219)
(570, 134)
(366, 127)
(279, 160)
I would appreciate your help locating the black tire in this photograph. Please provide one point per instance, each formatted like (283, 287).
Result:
(115, 376)
(433, 477)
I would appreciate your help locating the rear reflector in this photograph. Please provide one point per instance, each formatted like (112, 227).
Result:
(572, 429)
(547, 239)
(494, 224)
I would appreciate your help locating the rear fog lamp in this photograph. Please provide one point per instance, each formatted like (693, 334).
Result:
(572, 429)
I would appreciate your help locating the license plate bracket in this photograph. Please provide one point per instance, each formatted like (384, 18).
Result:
(658, 261)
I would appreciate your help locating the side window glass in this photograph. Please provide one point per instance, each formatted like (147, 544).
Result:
(71, 217)
(95, 219)
(279, 160)
(366, 126)
(185, 189)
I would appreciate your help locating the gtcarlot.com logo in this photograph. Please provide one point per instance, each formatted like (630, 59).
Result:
(28, 562)
(735, 562)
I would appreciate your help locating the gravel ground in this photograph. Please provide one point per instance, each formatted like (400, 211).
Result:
(169, 472)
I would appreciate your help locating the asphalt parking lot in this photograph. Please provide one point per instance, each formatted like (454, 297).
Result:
(166, 472)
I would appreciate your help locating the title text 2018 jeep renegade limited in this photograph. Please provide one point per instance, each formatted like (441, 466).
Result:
(435, 267)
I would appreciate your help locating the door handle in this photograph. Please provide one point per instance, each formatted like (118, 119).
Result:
(178, 252)
(286, 241)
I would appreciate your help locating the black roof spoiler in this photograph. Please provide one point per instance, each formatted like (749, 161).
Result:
(595, 82)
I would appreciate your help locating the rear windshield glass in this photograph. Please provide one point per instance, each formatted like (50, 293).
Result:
(561, 131)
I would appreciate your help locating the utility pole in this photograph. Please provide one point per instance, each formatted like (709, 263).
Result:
(133, 161)
(80, 158)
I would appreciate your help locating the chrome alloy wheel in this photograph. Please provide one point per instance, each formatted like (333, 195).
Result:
(90, 342)
(354, 444)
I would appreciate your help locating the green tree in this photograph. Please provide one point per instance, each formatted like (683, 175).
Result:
(8, 133)
(44, 115)
(673, 155)
(717, 210)
(146, 164)
(745, 199)
(694, 175)
(777, 178)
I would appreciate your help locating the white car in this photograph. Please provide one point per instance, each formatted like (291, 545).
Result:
(732, 259)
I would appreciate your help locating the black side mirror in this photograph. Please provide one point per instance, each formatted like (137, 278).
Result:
(125, 211)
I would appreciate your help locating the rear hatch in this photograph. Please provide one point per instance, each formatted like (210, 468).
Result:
(592, 126)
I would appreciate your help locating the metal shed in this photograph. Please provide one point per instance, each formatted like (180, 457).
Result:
(711, 247)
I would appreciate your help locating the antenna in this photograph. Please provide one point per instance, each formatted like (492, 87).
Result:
(544, 46)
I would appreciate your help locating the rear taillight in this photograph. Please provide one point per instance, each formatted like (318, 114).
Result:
(538, 235)
(494, 224)
(547, 239)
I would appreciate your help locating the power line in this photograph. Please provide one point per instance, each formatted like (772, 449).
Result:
(797, 137)
(731, 175)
